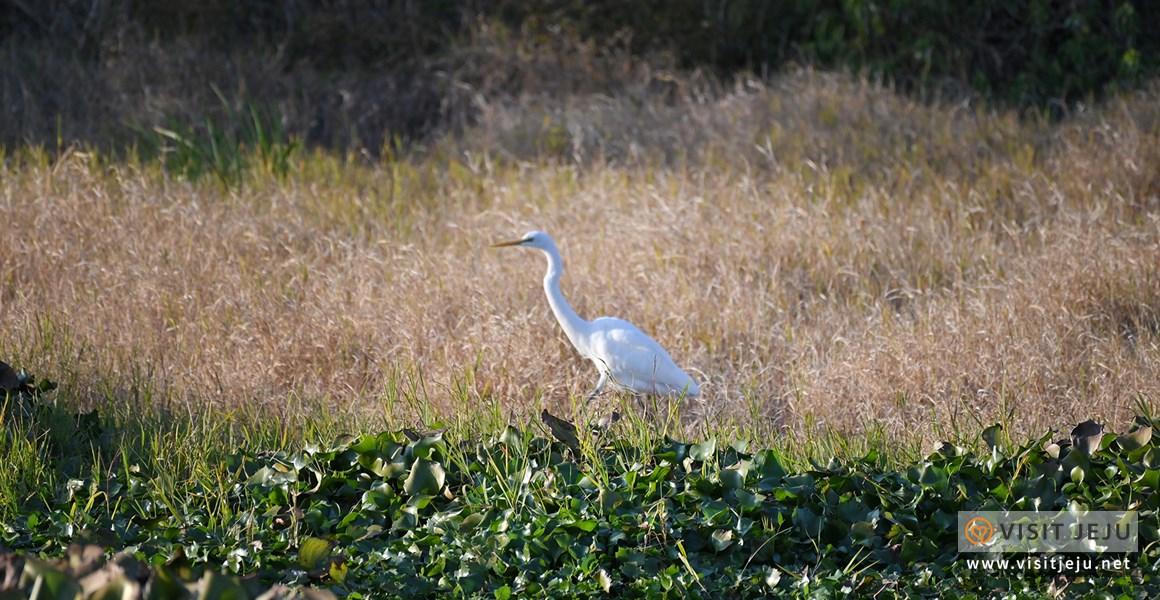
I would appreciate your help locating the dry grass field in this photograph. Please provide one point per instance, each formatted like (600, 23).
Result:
(821, 252)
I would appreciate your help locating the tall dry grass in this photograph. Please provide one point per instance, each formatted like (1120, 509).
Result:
(817, 250)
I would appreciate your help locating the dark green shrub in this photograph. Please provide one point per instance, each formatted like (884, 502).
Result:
(1030, 52)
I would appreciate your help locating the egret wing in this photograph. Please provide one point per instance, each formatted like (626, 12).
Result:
(636, 361)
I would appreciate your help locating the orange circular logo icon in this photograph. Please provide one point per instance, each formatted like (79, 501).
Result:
(979, 531)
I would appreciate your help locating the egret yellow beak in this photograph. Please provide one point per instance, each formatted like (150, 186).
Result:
(508, 243)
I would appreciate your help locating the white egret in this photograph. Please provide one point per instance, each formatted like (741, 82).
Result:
(623, 354)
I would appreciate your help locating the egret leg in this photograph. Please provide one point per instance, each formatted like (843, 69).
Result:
(599, 386)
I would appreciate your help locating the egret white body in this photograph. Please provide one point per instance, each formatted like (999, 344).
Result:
(623, 354)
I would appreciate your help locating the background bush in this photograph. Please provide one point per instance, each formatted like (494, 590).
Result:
(1030, 52)
(422, 55)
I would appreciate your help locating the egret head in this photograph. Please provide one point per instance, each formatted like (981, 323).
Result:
(531, 239)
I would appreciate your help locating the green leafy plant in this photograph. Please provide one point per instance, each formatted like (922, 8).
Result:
(250, 138)
(517, 514)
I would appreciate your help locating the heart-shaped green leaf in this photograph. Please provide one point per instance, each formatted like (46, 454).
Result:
(425, 477)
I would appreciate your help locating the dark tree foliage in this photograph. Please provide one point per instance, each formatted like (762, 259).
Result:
(1023, 51)
(1026, 52)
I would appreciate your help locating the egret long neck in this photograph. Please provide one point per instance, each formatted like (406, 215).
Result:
(571, 323)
